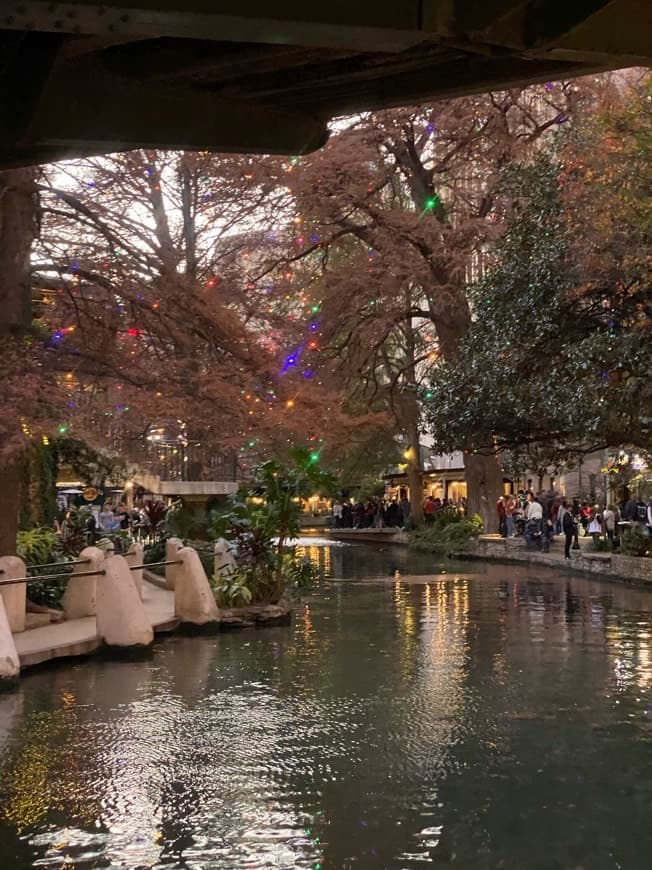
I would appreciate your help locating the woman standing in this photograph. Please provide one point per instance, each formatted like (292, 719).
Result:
(595, 523)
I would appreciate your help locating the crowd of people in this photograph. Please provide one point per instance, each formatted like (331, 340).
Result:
(140, 522)
(380, 513)
(539, 518)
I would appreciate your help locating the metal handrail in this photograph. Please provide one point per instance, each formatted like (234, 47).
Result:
(155, 564)
(57, 564)
(50, 577)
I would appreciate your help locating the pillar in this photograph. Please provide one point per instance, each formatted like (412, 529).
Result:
(9, 661)
(80, 597)
(121, 617)
(134, 556)
(194, 601)
(14, 597)
(172, 547)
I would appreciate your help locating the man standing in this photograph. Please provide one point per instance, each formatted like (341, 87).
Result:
(568, 528)
(405, 509)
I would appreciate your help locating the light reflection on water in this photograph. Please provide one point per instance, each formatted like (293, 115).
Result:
(473, 718)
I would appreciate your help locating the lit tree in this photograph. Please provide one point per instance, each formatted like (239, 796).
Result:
(392, 220)
(557, 363)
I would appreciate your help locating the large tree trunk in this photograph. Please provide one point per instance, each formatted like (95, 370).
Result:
(17, 231)
(484, 476)
(484, 480)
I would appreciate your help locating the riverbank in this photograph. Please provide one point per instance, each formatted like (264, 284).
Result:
(610, 566)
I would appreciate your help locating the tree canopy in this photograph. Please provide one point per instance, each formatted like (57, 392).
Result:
(557, 359)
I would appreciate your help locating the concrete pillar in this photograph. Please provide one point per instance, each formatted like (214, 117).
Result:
(134, 556)
(80, 597)
(172, 547)
(9, 661)
(14, 597)
(121, 617)
(194, 601)
(224, 558)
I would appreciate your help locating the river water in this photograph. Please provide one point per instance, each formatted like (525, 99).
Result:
(414, 714)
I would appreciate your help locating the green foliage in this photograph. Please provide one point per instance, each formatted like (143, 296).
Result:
(38, 486)
(264, 516)
(634, 543)
(37, 546)
(188, 521)
(553, 359)
(40, 546)
(155, 552)
(449, 533)
(233, 589)
(602, 545)
(73, 530)
(298, 573)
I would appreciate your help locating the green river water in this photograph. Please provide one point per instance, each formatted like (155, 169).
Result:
(415, 714)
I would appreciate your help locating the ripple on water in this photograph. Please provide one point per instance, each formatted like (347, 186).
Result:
(482, 721)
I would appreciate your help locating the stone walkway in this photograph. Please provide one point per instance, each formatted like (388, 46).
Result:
(79, 636)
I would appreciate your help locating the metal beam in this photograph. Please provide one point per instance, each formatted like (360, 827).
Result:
(362, 24)
(103, 114)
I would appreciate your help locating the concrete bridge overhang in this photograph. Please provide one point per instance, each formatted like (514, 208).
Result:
(82, 77)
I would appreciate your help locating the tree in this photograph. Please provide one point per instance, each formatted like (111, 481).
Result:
(391, 221)
(18, 223)
(147, 315)
(556, 362)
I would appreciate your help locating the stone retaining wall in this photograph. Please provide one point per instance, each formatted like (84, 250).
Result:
(631, 568)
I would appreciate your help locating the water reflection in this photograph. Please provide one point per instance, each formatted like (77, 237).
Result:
(494, 719)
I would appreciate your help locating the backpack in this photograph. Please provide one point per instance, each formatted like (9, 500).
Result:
(641, 512)
(567, 521)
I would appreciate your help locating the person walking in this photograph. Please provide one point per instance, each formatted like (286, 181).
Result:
(609, 522)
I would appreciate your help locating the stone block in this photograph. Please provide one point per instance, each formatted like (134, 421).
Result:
(9, 661)
(134, 556)
(194, 601)
(172, 547)
(14, 597)
(80, 597)
(121, 617)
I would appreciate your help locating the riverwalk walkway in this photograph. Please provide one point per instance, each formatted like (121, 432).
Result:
(75, 637)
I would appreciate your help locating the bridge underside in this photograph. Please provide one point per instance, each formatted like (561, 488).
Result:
(81, 77)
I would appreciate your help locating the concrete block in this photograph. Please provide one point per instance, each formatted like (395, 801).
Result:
(121, 617)
(194, 601)
(80, 597)
(9, 661)
(172, 547)
(14, 597)
(134, 556)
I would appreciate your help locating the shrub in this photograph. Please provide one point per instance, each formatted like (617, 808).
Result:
(634, 543)
(602, 545)
(232, 590)
(452, 533)
(40, 546)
